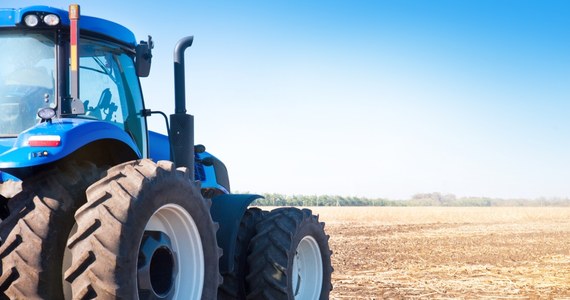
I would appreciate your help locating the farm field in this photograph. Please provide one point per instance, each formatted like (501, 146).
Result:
(449, 253)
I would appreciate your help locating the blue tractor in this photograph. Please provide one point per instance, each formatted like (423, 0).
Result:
(93, 205)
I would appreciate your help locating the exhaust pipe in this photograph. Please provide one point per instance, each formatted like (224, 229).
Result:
(181, 123)
(179, 76)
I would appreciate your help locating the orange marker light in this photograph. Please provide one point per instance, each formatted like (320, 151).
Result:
(73, 11)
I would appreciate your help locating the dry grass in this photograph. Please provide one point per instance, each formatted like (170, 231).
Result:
(449, 253)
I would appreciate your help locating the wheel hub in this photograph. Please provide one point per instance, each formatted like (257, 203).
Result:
(157, 267)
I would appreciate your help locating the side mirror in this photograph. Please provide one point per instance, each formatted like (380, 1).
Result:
(144, 57)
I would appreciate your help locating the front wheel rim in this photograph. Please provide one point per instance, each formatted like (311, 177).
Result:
(175, 222)
(307, 273)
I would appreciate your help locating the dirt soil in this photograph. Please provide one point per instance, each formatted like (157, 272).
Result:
(449, 253)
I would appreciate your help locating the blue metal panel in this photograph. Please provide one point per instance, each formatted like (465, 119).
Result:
(11, 17)
(7, 17)
(159, 146)
(228, 210)
(74, 133)
(6, 144)
(207, 174)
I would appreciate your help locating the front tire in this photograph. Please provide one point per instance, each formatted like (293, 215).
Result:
(290, 257)
(145, 233)
(35, 232)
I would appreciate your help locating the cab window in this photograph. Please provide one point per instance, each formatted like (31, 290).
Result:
(27, 71)
(110, 90)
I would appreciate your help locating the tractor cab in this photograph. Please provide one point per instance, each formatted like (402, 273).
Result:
(92, 76)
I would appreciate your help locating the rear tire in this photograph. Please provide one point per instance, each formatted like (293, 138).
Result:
(35, 232)
(141, 205)
(234, 282)
(290, 257)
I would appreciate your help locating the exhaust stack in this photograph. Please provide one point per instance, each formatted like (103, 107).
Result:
(181, 123)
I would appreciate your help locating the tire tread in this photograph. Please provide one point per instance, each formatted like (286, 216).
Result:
(36, 230)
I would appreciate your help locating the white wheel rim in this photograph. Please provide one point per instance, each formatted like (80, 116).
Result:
(178, 224)
(307, 270)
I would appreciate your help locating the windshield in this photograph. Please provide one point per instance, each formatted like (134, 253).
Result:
(27, 70)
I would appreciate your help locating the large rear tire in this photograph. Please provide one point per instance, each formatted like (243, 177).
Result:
(234, 282)
(35, 232)
(289, 257)
(145, 233)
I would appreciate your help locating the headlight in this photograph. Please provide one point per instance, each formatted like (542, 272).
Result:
(46, 113)
(31, 20)
(51, 20)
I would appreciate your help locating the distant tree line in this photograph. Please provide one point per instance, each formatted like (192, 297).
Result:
(425, 199)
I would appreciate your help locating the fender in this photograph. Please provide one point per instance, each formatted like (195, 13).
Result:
(72, 134)
(227, 210)
(6, 144)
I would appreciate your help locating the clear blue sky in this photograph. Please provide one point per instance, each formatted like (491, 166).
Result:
(369, 98)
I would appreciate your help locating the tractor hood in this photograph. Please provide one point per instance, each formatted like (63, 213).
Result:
(50, 141)
(6, 144)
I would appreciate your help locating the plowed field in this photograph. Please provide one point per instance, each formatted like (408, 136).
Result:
(449, 253)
